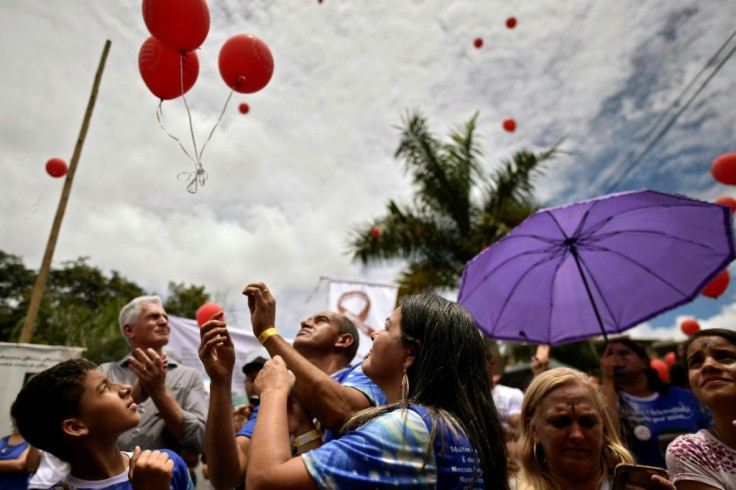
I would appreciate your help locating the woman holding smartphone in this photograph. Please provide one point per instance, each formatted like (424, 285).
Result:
(706, 460)
(567, 438)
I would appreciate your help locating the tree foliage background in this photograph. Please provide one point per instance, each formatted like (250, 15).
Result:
(80, 305)
(457, 208)
(456, 211)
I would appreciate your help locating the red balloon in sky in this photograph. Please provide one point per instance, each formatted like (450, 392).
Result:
(727, 201)
(509, 124)
(478, 43)
(244, 108)
(718, 285)
(162, 68)
(511, 22)
(670, 358)
(246, 63)
(376, 232)
(56, 167)
(181, 25)
(723, 169)
(661, 367)
(689, 326)
(206, 311)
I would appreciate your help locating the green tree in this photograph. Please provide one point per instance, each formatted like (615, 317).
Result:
(80, 305)
(185, 300)
(15, 284)
(457, 210)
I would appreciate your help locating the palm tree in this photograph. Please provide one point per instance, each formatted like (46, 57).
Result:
(457, 210)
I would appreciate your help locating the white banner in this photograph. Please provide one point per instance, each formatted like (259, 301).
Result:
(184, 340)
(366, 304)
(18, 363)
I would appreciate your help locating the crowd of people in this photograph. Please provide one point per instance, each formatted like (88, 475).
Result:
(421, 410)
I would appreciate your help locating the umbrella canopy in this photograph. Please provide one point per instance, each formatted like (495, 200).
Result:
(596, 267)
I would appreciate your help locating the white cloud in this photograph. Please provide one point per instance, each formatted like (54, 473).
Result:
(313, 158)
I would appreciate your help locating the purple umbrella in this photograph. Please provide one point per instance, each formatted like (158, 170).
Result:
(596, 267)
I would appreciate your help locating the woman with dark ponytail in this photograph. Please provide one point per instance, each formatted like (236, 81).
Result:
(439, 430)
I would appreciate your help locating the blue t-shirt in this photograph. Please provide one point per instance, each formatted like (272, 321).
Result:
(353, 377)
(12, 481)
(653, 422)
(389, 452)
(179, 481)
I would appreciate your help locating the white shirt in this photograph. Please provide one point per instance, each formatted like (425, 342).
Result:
(508, 401)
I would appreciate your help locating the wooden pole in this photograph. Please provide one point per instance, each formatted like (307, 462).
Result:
(30, 320)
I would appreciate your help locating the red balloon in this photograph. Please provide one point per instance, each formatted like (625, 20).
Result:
(376, 232)
(161, 69)
(207, 311)
(511, 22)
(728, 202)
(661, 367)
(723, 169)
(181, 25)
(670, 358)
(718, 285)
(689, 326)
(509, 124)
(244, 108)
(478, 43)
(246, 64)
(56, 167)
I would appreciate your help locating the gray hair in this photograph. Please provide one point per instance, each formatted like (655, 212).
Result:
(130, 313)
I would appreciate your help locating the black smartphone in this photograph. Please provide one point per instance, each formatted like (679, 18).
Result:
(254, 400)
(636, 474)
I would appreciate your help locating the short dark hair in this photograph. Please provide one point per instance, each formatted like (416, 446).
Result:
(728, 335)
(47, 400)
(345, 325)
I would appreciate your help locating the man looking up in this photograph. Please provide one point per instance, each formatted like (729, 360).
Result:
(170, 396)
(326, 387)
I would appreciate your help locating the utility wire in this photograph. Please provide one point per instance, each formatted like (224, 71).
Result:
(651, 129)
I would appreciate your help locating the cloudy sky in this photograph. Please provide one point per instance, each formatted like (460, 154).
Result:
(313, 158)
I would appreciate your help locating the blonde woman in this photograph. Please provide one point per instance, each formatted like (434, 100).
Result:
(567, 439)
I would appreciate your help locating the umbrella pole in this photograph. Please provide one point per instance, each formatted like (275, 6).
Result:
(574, 253)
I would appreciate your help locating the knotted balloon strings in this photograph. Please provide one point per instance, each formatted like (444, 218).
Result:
(198, 177)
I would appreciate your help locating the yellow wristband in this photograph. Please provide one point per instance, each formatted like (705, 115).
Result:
(266, 334)
(303, 439)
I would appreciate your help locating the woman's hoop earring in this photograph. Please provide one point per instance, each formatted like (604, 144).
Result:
(615, 453)
(404, 386)
(542, 461)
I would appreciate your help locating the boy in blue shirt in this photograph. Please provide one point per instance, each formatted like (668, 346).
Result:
(73, 411)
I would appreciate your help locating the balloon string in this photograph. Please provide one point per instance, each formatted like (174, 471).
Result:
(184, 98)
(159, 117)
(198, 177)
(218, 122)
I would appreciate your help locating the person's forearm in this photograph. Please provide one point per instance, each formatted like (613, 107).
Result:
(270, 446)
(17, 465)
(611, 396)
(224, 466)
(138, 393)
(324, 397)
(170, 412)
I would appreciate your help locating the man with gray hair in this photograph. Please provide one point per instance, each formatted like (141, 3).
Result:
(170, 396)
